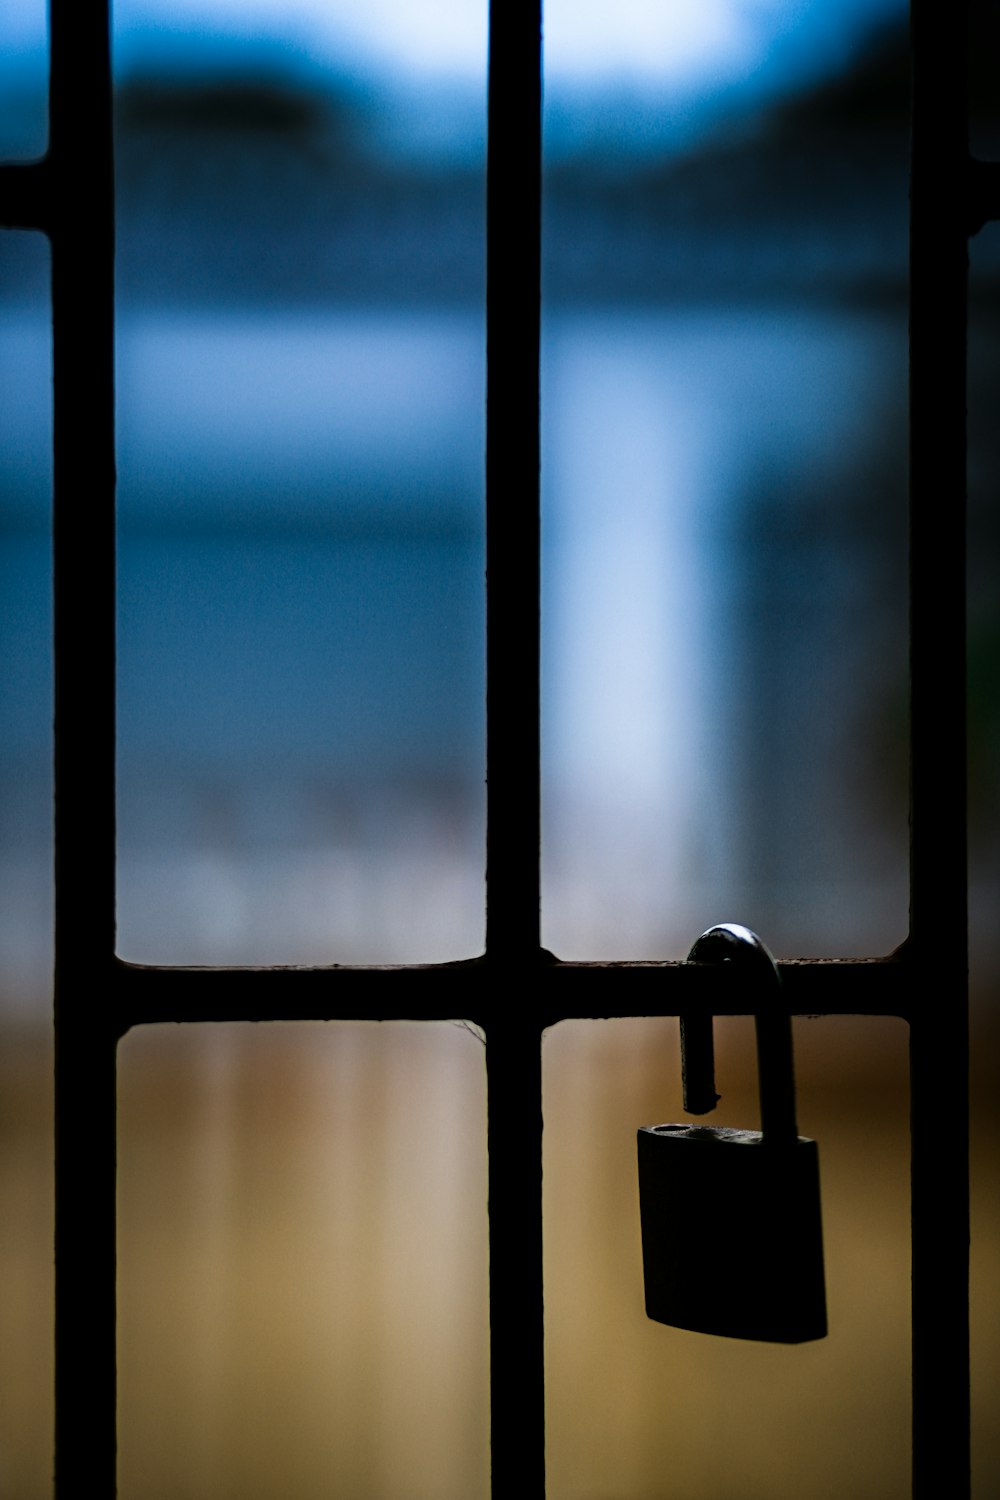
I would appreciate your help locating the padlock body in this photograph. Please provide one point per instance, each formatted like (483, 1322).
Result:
(732, 1237)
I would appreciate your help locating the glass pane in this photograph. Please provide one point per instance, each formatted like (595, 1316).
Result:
(300, 394)
(638, 1410)
(302, 1263)
(24, 79)
(25, 869)
(725, 480)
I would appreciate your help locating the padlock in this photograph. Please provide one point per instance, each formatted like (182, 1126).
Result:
(732, 1238)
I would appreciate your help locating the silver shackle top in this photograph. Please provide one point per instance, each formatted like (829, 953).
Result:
(729, 942)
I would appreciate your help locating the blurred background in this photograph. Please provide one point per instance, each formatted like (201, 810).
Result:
(303, 1272)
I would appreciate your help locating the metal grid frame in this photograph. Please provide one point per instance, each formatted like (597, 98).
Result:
(70, 196)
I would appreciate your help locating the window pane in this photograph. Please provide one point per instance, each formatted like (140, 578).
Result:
(725, 484)
(300, 382)
(638, 1410)
(302, 1263)
(26, 954)
(24, 79)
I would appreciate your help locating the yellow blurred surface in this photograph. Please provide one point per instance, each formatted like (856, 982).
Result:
(303, 1259)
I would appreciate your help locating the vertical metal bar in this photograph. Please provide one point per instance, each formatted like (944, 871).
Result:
(938, 909)
(82, 231)
(517, 1374)
(513, 224)
(513, 1045)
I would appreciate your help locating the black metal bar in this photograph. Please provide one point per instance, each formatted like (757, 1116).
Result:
(24, 195)
(698, 1062)
(842, 987)
(513, 224)
(81, 224)
(938, 274)
(517, 1370)
(983, 195)
(938, 906)
(513, 579)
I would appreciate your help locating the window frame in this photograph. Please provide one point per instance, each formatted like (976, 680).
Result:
(69, 195)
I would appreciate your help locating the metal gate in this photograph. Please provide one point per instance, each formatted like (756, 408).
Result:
(69, 195)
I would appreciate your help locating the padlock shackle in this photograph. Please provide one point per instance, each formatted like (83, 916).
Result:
(729, 942)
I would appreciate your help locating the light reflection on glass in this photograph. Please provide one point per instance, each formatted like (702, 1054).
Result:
(300, 622)
(302, 1262)
(724, 652)
(26, 1136)
(23, 80)
(26, 624)
(300, 413)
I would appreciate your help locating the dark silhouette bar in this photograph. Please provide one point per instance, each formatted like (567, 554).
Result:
(513, 227)
(939, 220)
(513, 1039)
(25, 195)
(81, 226)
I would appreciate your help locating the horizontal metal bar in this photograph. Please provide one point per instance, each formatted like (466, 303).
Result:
(143, 996)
